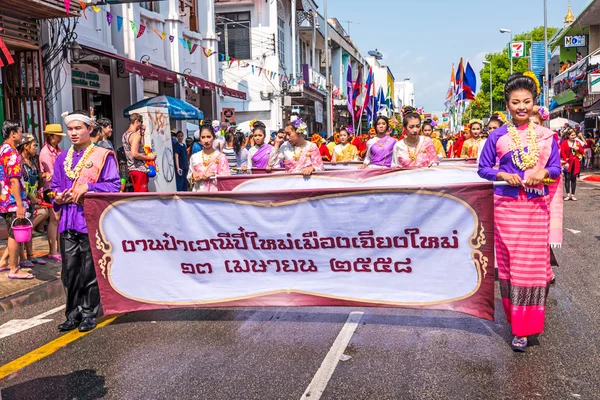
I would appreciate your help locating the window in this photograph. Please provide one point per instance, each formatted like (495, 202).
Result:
(149, 5)
(281, 39)
(188, 9)
(234, 30)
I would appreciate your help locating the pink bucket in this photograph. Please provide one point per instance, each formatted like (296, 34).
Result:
(22, 233)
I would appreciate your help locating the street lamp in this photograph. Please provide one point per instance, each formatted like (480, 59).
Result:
(503, 30)
(491, 98)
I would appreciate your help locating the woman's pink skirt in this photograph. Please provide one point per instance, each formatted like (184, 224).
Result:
(521, 231)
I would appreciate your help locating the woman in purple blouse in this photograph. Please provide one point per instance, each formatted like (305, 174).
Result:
(529, 160)
(380, 149)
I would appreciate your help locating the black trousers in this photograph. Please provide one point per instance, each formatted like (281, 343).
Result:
(79, 276)
(570, 183)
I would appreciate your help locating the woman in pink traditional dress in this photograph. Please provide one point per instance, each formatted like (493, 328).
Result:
(258, 155)
(414, 150)
(207, 164)
(380, 149)
(298, 154)
(529, 156)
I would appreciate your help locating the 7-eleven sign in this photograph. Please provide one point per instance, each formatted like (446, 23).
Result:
(517, 49)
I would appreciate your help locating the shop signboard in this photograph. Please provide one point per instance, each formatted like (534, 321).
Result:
(575, 41)
(87, 77)
(594, 83)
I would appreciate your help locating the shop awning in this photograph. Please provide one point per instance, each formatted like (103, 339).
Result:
(233, 93)
(201, 83)
(147, 71)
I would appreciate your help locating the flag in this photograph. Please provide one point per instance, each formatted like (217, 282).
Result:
(7, 56)
(367, 102)
(183, 42)
(194, 47)
(133, 26)
(356, 92)
(68, 6)
(96, 9)
(189, 45)
(83, 5)
(470, 83)
(379, 101)
(109, 17)
(389, 102)
(141, 31)
(157, 33)
(460, 74)
(451, 89)
(163, 35)
(350, 92)
(171, 38)
(119, 23)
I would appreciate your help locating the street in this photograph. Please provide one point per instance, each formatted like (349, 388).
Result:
(289, 353)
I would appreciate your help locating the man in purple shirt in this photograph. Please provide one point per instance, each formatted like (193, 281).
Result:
(83, 168)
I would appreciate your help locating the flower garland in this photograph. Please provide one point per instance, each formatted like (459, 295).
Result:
(531, 75)
(521, 158)
(74, 173)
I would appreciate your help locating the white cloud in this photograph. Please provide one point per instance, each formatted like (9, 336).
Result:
(419, 60)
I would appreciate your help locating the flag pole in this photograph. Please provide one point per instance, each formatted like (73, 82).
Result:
(327, 74)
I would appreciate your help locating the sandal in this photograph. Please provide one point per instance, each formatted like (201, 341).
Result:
(27, 277)
(55, 257)
(519, 344)
(38, 261)
(26, 264)
(573, 198)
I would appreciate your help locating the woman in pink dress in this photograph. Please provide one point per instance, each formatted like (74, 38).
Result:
(414, 150)
(207, 164)
(298, 154)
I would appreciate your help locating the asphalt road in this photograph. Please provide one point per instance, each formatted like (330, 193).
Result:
(274, 353)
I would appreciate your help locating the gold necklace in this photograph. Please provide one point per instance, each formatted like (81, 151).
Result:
(74, 173)
(412, 155)
(208, 161)
(298, 155)
(384, 142)
(521, 158)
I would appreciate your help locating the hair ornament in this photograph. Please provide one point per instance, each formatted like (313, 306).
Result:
(298, 124)
(475, 121)
(535, 79)
(544, 113)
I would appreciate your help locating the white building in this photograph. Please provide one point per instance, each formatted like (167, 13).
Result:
(405, 93)
(111, 66)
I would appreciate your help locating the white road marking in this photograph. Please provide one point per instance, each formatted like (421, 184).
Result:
(573, 231)
(317, 386)
(19, 325)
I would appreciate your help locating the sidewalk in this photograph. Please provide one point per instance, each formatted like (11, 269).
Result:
(43, 273)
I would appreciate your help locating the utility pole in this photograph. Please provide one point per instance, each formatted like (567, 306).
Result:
(327, 73)
(350, 22)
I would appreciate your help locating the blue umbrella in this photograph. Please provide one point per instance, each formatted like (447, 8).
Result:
(178, 109)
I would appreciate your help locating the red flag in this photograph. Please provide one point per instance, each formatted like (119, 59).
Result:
(6, 53)
(194, 47)
(83, 5)
(141, 31)
(356, 91)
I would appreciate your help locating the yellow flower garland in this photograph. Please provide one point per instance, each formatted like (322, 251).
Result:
(522, 159)
(74, 173)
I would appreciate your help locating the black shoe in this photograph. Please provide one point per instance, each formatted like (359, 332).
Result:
(87, 324)
(69, 325)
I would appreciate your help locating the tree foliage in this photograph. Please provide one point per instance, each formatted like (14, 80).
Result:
(500, 63)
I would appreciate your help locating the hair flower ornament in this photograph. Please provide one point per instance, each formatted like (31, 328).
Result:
(544, 113)
(475, 121)
(535, 79)
(298, 124)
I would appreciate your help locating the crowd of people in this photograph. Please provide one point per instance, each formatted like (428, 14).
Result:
(531, 159)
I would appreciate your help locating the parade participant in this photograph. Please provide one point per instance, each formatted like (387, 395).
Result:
(333, 141)
(360, 142)
(380, 149)
(427, 130)
(494, 123)
(528, 155)
(470, 148)
(228, 149)
(181, 162)
(96, 135)
(13, 202)
(323, 149)
(196, 146)
(48, 155)
(258, 155)
(207, 164)
(31, 178)
(344, 151)
(106, 132)
(133, 143)
(457, 145)
(83, 168)
(571, 153)
(240, 151)
(298, 154)
(415, 150)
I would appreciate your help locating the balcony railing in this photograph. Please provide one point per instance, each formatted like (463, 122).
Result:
(20, 32)
(577, 73)
(39, 9)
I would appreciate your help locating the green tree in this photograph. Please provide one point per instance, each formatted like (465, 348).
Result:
(500, 62)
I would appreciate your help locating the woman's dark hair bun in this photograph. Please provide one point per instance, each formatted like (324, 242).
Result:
(259, 125)
(518, 81)
(409, 113)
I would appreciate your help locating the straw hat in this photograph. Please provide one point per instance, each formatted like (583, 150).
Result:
(27, 138)
(54, 129)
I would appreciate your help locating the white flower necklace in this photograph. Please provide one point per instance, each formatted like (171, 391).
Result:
(74, 173)
(521, 158)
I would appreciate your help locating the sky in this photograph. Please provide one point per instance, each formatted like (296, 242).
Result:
(421, 39)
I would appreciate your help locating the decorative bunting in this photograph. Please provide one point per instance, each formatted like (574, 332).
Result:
(171, 38)
(141, 30)
(163, 35)
(208, 52)
(189, 46)
(157, 33)
(182, 40)
(133, 26)
(109, 17)
(83, 5)
(96, 9)
(68, 6)
(119, 23)
(194, 47)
